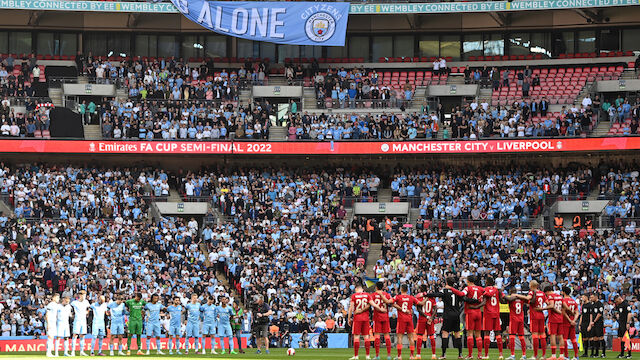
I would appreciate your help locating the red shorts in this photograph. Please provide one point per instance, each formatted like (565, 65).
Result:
(361, 327)
(474, 320)
(404, 326)
(516, 327)
(556, 329)
(423, 327)
(492, 323)
(568, 332)
(537, 326)
(381, 327)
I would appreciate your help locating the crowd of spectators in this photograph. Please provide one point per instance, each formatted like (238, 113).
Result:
(359, 88)
(196, 120)
(285, 234)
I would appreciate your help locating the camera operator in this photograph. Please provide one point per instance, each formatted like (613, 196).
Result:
(260, 327)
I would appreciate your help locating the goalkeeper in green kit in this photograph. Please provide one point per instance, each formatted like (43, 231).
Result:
(134, 327)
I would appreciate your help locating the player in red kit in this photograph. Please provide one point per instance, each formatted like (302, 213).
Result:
(473, 314)
(426, 322)
(570, 320)
(516, 324)
(404, 303)
(359, 309)
(492, 316)
(537, 301)
(379, 301)
(556, 319)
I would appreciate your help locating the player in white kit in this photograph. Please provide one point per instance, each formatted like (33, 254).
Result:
(64, 313)
(51, 319)
(80, 307)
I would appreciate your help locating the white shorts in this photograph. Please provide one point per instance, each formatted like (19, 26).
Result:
(63, 331)
(52, 330)
(80, 328)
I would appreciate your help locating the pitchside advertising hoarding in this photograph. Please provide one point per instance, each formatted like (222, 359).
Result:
(241, 148)
(23, 343)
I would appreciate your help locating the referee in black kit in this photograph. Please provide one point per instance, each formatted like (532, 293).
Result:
(623, 310)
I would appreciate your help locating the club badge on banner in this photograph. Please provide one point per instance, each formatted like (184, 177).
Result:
(294, 23)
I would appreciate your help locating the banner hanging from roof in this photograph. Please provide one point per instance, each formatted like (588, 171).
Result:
(294, 23)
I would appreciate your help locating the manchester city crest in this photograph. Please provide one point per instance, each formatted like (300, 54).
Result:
(320, 26)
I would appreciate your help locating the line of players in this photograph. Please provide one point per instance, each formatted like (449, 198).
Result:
(212, 319)
(482, 313)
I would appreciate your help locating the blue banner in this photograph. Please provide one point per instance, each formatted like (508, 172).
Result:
(295, 23)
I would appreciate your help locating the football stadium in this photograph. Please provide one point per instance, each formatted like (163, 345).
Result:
(375, 179)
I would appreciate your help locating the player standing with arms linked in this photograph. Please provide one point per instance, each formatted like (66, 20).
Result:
(116, 312)
(473, 314)
(379, 301)
(64, 314)
(175, 324)
(98, 326)
(153, 323)
(555, 305)
(193, 323)
(80, 307)
(451, 316)
(570, 317)
(516, 324)
(224, 313)
(136, 317)
(426, 322)
(537, 300)
(404, 303)
(51, 318)
(491, 314)
(209, 325)
(358, 318)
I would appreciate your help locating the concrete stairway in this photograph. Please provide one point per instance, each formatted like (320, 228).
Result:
(384, 195)
(5, 208)
(174, 195)
(56, 96)
(375, 250)
(602, 129)
(309, 98)
(278, 133)
(92, 132)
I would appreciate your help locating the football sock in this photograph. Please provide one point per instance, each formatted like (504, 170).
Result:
(445, 344)
(523, 345)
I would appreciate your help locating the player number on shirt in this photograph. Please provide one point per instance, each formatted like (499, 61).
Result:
(426, 308)
(405, 307)
(518, 308)
(360, 304)
(557, 305)
(453, 300)
(494, 301)
(380, 304)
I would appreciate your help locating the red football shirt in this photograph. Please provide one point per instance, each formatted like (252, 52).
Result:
(538, 299)
(360, 301)
(474, 292)
(516, 311)
(554, 316)
(406, 302)
(573, 306)
(429, 308)
(377, 299)
(492, 307)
